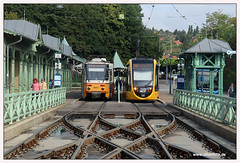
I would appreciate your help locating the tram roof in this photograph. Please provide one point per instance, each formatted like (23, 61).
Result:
(142, 60)
(209, 46)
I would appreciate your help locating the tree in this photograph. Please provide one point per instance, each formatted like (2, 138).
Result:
(11, 15)
(223, 27)
(175, 32)
(91, 29)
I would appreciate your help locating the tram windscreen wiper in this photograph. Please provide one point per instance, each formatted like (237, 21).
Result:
(148, 83)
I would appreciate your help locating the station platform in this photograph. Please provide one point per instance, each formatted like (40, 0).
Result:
(225, 131)
(15, 129)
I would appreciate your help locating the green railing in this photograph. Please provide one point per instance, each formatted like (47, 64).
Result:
(18, 106)
(218, 108)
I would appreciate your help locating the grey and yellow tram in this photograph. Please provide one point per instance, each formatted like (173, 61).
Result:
(141, 80)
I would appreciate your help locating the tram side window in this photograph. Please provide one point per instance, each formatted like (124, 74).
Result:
(156, 78)
(128, 79)
(107, 73)
(85, 72)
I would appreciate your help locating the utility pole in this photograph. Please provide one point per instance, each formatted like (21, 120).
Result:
(167, 71)
(170, 86)
(24, 15)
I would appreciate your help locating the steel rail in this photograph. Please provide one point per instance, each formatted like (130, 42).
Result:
(33, 140)
(83, 145)
(207, 141)
(156, 135)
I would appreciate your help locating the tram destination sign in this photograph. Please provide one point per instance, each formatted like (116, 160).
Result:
(96, 65)
(142, 65)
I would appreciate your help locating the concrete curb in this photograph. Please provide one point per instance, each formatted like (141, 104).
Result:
(218, 128)
(11, 131)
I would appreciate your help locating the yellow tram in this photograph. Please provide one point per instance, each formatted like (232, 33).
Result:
(141, 80)
(97, 79)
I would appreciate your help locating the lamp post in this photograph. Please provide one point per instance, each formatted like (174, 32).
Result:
(170, 84)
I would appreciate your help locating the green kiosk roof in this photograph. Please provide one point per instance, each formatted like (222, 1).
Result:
(117, 63)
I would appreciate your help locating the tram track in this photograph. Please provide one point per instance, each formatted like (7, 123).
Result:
(108, 135)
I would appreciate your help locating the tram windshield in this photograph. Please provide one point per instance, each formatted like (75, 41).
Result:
(142, 75)
(96, 72)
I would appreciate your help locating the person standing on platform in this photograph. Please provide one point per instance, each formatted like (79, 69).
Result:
(118, 81)
(51, 84)
(35, 85)
(231, 91)
(43, 84)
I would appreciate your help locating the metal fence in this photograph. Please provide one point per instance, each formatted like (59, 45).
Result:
(18, 106)
(218, 108)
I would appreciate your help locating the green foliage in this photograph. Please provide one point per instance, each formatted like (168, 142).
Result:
(91, 29)
(221, 26)
(11, 15)
(229, 73)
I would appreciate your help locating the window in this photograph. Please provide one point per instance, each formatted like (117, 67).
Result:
(96, 72)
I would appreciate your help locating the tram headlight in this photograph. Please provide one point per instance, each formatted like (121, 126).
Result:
(149, 89)
(88, 88)
(135, 89)
(102, 88)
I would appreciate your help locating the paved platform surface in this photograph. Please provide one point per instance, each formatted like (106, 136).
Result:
(14, 131)
(213, 126)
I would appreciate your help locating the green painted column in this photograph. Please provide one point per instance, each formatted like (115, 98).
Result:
(211, 81)
(63, 77)
(25, 75)
(41, 66)
(52, 70)
(194, 77)
(4, 68)
(20, 79)
(31, 69)
(13, 71)
(220, 81)
(28, 72)
(187, 84)
(36, 67)
(66, 79)
(71, 77)
(46, 74)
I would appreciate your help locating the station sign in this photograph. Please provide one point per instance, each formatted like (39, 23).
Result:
(58, 55)
(58, 65)
(180, 82)
(57, 80)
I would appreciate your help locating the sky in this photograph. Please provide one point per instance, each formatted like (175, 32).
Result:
(165, 16)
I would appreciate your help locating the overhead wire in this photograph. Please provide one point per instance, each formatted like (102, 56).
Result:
(150, 15)
(181, 15)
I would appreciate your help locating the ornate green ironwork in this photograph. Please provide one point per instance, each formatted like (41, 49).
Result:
(218, 108)
(18, 106)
